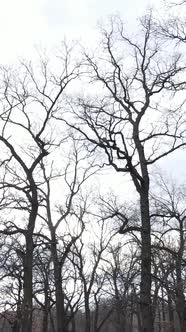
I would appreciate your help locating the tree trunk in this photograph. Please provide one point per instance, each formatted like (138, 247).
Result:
(28, 260)
(73, 323)
(181, 310)
(145, 290)
(163, 311)
(120, 321)
(87, 316)
(27, 286)
(155, 304)
(60, 312)
(171, 314)
(17, 324)
(52, 324)
(142, 186)
(15, 328)
(158, 313)
(46, 307)
(180, 296)
(45, 321)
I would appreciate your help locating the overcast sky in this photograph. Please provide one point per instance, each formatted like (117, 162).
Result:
(24, 23)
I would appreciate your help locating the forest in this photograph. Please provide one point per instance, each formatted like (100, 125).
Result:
(92, 231)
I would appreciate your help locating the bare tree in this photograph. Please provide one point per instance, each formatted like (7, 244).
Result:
(88, 268)
(128, 121)
(28, 100)
(163, 298)
(71, 216)
(43, 285)
(171, 217)
(11, 277)
(122, 273)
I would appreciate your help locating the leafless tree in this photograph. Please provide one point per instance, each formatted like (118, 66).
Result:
(11, 277)
(88, 266)
(71, 216)
(170, 211)
(43, 285)
(29, 97)
(131, 119)
(122, 271)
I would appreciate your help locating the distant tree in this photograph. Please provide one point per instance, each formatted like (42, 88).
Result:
(163, 297)
(43, 285)
(122, 274)
(66, 225)
(11, 277)
(171, 222)
(88, 261)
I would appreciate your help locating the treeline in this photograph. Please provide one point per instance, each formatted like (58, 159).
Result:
(68, 248)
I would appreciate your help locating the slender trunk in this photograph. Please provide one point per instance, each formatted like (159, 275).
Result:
(96, 314)
(171, 314)
(17, 325)
(155, 304)
(145, 290)
(59, 295)
(46, 308)
(139, 321)
(180, 305)
(87, 315)
(159, 316)
(45, 321)
(131, 313)
(28, 260)
(138, 311)
(52, 324)
(27, 286)
(73, 323)
(60, 321)
(121, 321)
(180, 296)
(180, 308)
(163, 309)
(104, 320)
(60, 312)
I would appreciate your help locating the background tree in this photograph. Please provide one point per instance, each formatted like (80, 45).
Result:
(28, 100)
(87, 260)
(68, 227)
(170, 222)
